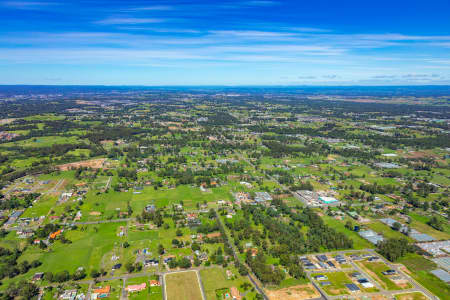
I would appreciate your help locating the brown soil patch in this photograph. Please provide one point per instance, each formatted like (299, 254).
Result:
(95, 213)
(6, 121)
(418, 154)
(93, 163)
(411, 296)
(403, 284)
(306, 291)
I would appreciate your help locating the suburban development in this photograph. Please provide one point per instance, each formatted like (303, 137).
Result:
(227, 193)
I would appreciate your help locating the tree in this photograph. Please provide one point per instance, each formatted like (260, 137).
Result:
(79, 274)
(396, 226)
(173, 263)
(195, 246)
(179, 232)
(349, 225)
(28, 290)
(95, 273)
(130, 267)
(160, 249)
(436, 224)
(48, 276)
(62, 276)
(394, 249)
(243, 270)
(184, 263)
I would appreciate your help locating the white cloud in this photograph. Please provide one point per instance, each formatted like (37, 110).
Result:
(152, 8)
(121, 21)
(28, 5)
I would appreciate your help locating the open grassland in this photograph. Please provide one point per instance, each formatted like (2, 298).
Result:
(418, 268)
(411, 296)
(189, 195)
(387, 231)
(45, 141)
(183, 286)
(86, 250)
(358, 242)
(425, 219)
(375, 269)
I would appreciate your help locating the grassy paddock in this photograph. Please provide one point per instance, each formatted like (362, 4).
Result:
(183, 286)
(338, 281)
(375, 270)
(419, 268)
(411, 296)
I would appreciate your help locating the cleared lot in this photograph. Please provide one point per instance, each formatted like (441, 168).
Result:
(183, 286)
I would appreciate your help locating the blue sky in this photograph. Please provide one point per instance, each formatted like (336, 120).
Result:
(259, 42)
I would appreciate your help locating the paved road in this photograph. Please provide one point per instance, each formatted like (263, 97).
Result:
(200, 283)
(250, 276)
(55, 188)
(108, 183)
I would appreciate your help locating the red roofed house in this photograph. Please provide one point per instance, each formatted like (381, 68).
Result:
(103, 290)
(55, 234)
(235, 295)
(155, 283)
(136, 287)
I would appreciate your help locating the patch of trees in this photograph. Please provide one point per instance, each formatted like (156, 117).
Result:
(9, 267)
(436, 223)
(23, 289)
(155, 217)
(378, 189)
(221, 118)
(266, 273)
(394, 249)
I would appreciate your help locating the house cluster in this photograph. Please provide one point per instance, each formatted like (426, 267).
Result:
(72, 295)
(232, 294)
(101, 292)
(363, 281)
(13, 218)
(151, 263)
(440, 251)
(245, 198)
(7, 136)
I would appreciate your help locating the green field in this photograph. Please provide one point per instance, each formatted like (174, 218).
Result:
(215, 279)
(183, 286)
(375, 270)
(358, 242)
(338, 281)
(419, 268)
(411, 296)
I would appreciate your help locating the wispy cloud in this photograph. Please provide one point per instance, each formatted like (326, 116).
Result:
(28, 5)
(152, 8)
(308, 29)
(261, 3)
(123, 20)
